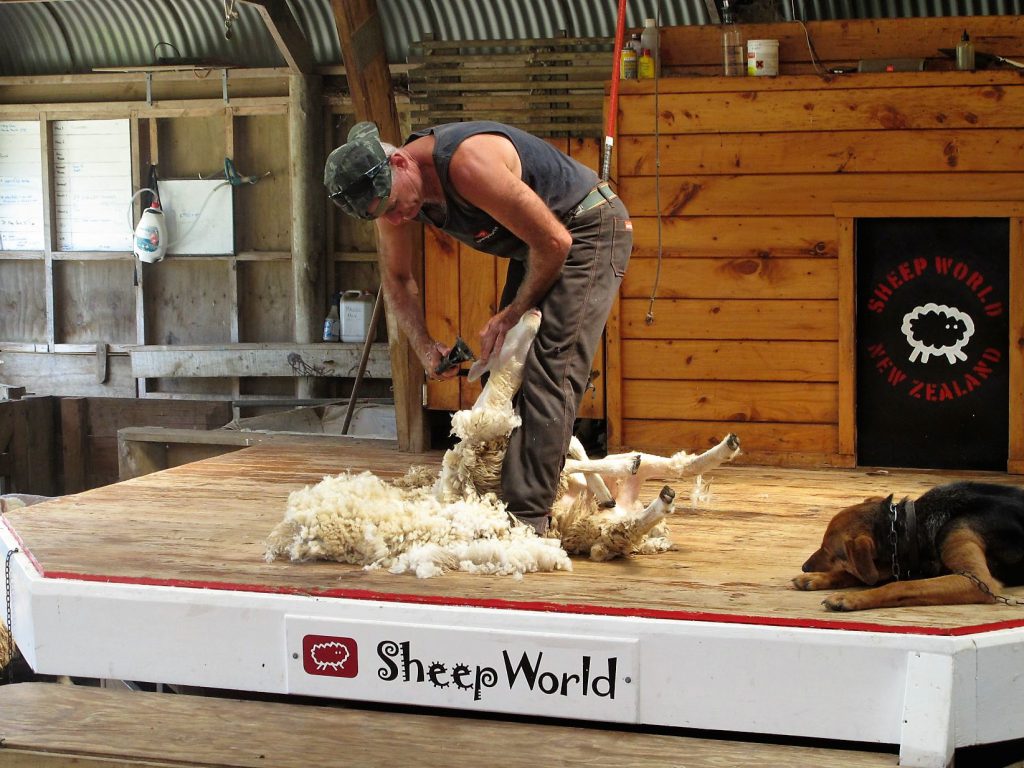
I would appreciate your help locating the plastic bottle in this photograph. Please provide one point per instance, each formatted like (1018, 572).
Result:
(628, 61)
(150, 239)
(649, 39)
(645, 65)
(734, 60)
(965, 52)
(332, 324)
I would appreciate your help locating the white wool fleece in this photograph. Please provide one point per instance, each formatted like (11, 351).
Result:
(363, 520)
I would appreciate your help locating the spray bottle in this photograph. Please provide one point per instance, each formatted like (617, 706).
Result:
(332, 323)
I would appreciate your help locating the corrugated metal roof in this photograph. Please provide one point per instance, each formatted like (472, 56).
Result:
(77, 35)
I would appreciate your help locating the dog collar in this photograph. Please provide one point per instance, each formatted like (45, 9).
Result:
(909, 552)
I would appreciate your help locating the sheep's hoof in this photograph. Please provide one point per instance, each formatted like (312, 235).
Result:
(667, 495)
(635, 466)
(609, 504)
(732, 441)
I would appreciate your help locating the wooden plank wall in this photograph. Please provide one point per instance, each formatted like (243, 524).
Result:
(89, 426)
(742, 176)
(28, 446)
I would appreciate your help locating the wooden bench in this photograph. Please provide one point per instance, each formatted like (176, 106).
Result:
(45, 724)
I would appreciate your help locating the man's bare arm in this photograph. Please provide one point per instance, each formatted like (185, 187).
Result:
(486, 172)
(402, 294)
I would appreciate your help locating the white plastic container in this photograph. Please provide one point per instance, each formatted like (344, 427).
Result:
(762, 58)
(356, 312)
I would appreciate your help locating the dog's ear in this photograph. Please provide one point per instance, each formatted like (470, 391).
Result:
(860, 555)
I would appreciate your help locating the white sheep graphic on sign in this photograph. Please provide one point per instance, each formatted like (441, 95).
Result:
(338, 650)
(936, 329)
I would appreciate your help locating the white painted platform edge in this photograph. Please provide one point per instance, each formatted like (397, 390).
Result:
(844, 685)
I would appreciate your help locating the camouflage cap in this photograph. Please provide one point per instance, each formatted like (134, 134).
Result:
(358, 172)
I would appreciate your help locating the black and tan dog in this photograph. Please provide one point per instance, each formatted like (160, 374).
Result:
(958, 543)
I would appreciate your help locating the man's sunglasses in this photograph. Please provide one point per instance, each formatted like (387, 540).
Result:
(343, 197)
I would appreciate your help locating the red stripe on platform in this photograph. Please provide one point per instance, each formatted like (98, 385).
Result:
(570, 608)
(21, 545)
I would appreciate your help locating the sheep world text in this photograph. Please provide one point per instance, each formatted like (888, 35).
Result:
(530, 672)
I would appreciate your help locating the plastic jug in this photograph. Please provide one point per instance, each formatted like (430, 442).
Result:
(356, 312)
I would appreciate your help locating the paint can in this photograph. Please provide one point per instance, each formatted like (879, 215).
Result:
(762, 58)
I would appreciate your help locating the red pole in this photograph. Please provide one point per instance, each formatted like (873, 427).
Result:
(613, 102)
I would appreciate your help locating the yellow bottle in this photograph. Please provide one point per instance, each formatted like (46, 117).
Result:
(645, 65)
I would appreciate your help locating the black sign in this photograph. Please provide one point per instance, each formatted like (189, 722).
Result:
(932, 343)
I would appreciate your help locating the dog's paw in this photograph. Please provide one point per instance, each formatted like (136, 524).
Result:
(809, 582)
(842, 601)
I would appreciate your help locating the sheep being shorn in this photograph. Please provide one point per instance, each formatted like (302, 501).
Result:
(428, 522)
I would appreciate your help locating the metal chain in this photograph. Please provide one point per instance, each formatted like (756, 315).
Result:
(893, 510)
(230, 15)
(985, 589)
(10, 624)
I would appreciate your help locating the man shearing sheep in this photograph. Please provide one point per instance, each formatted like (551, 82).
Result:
(567, 239)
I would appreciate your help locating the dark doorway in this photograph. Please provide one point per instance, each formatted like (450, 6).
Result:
(932, 342)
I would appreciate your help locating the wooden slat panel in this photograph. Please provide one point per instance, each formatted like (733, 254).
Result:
(759, 440)
(745, 401)
(733, 278)
(826, 152)
(728, 319)
(736, 236)
(66, 375)
(810, 110)
(730, 360)
(258, 360)
(807, 194)
(545, 86)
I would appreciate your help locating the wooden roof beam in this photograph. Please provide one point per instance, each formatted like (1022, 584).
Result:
(369, 83)
(285, 30)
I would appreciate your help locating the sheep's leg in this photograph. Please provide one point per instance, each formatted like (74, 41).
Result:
(681, 464)
(619, 465)
(657, 510)
(595, 483)
(644, 466)
(628, 533)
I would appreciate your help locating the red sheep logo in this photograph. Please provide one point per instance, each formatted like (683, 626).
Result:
(332, 656)
(936, 329)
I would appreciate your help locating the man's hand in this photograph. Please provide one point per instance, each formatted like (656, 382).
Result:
(492, 335)
(431, 358)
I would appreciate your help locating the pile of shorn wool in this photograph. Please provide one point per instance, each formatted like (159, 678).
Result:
(401, 526)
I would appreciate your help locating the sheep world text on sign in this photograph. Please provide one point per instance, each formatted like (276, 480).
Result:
(427, 523)
(462, 666)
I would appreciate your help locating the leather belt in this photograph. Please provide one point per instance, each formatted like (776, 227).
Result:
(599, 195)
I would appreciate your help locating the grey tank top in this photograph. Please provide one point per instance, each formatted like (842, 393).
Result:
(558, 180)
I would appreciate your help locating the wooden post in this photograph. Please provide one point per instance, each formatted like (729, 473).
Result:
(369, 82)
(307, 210)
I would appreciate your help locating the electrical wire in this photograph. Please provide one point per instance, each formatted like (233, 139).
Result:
(649, 319)
(815, 61)
(184, 236)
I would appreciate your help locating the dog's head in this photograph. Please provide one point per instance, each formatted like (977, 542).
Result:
(850, 543)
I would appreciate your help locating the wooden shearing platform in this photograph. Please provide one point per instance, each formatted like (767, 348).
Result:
(162, 579)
